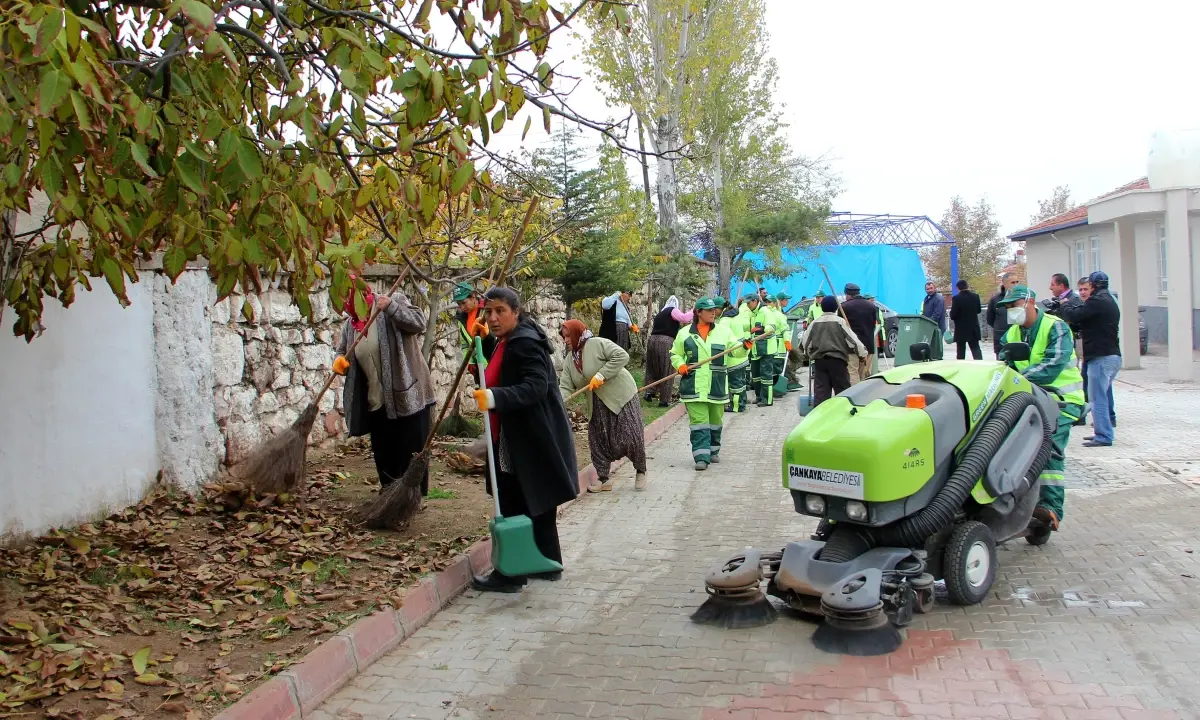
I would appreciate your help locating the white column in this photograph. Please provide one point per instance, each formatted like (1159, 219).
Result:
(1179, 287)
(1131, 358)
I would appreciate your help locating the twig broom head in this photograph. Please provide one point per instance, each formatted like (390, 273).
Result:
(400, 500)
(277, 466)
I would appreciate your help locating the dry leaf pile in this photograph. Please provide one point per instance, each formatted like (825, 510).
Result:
(180, 604)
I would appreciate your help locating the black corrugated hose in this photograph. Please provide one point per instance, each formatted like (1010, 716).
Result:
(849, 541)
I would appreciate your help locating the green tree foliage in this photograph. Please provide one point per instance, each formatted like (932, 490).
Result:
(981, 249)
(250, 132)
(606, 229)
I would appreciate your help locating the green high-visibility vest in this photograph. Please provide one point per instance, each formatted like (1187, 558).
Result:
(1069, 383)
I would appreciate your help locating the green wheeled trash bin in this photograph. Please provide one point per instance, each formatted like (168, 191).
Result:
(917, 329)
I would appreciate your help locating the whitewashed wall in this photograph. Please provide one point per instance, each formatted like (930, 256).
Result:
(77, 412)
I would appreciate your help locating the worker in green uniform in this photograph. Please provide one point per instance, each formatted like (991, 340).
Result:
(814, 310)
(762, 352)
(1051, 365)
(703, 389)
(738, 361)
(783, 339)
(470, 322)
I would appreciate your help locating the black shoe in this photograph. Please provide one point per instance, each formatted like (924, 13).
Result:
(649, 398)
(663, 404)
(495, 582)
(1096, 443)
(1089, 438)
(552, 576)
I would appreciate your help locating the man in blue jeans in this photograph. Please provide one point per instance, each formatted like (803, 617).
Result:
(1098, 319)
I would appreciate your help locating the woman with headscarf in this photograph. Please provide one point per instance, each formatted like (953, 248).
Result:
(531, 435)
(388, 393)
(658, 349)
(615, 429)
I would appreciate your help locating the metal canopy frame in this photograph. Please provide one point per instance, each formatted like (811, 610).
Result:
(911, 231)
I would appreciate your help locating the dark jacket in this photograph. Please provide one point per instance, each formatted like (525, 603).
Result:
(1053, 305)
(1098, 319)
(407, 387)
(964, 313)
(997, 318)
(934, 308)
(861, 313)
(664, 324)
(533, 420)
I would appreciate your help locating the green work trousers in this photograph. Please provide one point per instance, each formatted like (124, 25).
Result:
(764, 380)
(1053, 493)
(737, 387)
(705, 420)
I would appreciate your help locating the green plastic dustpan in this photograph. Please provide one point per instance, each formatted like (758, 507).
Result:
(514, 551)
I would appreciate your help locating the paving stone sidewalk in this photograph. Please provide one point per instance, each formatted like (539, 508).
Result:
(1103, 622)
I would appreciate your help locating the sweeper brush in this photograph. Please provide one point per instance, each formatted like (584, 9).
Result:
(915, 474)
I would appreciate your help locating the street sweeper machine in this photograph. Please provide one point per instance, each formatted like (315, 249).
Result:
(915, 474)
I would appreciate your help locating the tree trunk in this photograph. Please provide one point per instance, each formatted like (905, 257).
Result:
(643, 160)
(724, 266)
(434, 298)
(668, 195)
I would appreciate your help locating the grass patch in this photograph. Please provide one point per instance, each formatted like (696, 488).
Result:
(440, 494)
(329, 566)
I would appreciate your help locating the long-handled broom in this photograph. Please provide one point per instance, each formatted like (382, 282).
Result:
(691, 368)
(401, 499)
(277, 466)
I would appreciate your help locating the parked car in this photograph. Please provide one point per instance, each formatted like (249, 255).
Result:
(798, 313)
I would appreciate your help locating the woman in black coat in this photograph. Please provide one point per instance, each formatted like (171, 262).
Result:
(531, 434)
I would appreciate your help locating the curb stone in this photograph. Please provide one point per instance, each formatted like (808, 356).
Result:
(296, 692)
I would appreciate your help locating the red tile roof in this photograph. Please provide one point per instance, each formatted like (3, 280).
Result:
(1074, 216)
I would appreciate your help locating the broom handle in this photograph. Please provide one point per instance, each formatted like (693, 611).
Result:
(834, 293)
(705, 361)
(462, 368)
(487, 429)
(359, 336)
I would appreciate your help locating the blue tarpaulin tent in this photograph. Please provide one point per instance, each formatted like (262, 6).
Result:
(893, 274)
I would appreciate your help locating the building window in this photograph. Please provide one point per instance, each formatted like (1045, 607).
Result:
(1081, 258)
(1162, 259)
(1094, 248)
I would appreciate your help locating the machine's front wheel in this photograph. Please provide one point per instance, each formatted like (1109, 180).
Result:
(970, 563)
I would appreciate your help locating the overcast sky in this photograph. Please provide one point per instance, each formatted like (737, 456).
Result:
(918, 101)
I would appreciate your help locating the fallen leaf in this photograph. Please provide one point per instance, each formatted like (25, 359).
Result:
(174, 707)
(149, 679)
(309, 567)
(140, 659)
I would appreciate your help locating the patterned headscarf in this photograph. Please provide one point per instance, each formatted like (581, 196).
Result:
(577, 334)
(355, 321)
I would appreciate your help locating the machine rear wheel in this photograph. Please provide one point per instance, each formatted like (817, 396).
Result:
(969, 564)
(891, 342)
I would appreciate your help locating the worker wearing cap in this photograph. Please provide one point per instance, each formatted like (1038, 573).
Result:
(469, 319)
(814, 310)
(738, 361)
(783, 341)
(762, 353)
(704, 389)
(1051, 365)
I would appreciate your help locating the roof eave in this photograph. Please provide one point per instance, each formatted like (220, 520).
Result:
(1026, 234)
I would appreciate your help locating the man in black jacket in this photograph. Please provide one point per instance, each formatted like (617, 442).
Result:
(1098, 319)
(964, 313)
(860, 314)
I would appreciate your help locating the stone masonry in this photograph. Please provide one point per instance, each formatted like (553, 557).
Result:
(1102, 622)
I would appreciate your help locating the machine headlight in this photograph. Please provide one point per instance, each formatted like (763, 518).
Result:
(814, 504)
(856, 511)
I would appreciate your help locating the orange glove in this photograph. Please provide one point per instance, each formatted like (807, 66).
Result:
(480, 329)
(596, 381)
(634, 329)
(683, 369)
(747, 344)
(482, 398)
(340, 365)
(788, 344)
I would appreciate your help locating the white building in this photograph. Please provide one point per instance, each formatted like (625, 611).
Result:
(1144, 235)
